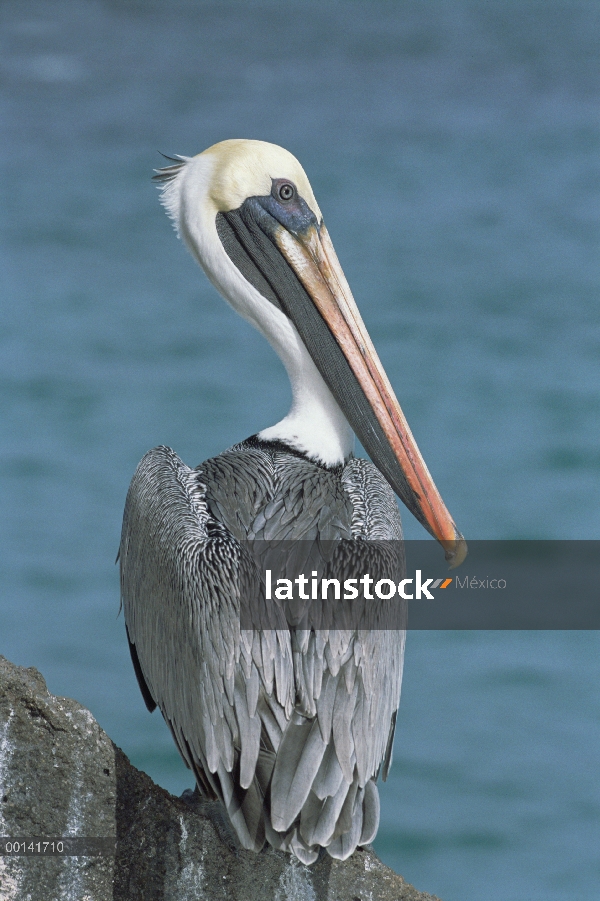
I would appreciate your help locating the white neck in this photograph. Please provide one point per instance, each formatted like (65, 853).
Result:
(315, 424)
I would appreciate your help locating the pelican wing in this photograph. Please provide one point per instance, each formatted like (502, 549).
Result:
(350, 681)
(346, 682)
(288, 728)
(180, 572)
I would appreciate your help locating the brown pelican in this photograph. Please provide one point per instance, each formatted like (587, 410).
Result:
(289, 733)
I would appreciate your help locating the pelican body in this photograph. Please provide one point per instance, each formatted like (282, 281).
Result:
(288, 728)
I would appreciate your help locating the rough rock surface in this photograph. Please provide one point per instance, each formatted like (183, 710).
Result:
(60, 775)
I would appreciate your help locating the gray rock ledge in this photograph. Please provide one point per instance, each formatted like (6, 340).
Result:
(61, 775)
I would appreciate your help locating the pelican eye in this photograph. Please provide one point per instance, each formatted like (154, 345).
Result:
(286, 192)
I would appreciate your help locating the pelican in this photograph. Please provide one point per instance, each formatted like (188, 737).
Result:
(289, 732)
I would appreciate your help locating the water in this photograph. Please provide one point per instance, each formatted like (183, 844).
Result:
(453, 148)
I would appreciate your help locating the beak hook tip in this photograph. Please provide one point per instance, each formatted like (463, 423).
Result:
(456, 553)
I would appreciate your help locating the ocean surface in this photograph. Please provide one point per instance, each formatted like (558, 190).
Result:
(454, 150)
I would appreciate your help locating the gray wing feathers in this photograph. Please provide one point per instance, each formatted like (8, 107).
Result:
(375, 513)
(181, 609)
(298, 759)
(290, 730)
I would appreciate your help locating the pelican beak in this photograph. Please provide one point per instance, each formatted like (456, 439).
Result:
(293, 263)
(383, 431)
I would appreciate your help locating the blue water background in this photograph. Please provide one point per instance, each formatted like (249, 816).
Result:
(454, 150)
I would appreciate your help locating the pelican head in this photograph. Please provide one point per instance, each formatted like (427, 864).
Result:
(248, 214)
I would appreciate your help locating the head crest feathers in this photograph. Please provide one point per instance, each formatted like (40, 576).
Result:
(167, 179)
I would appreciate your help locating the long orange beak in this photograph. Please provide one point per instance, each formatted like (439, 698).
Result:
(312, 257)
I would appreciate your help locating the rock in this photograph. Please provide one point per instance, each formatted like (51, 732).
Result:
(60, 775)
